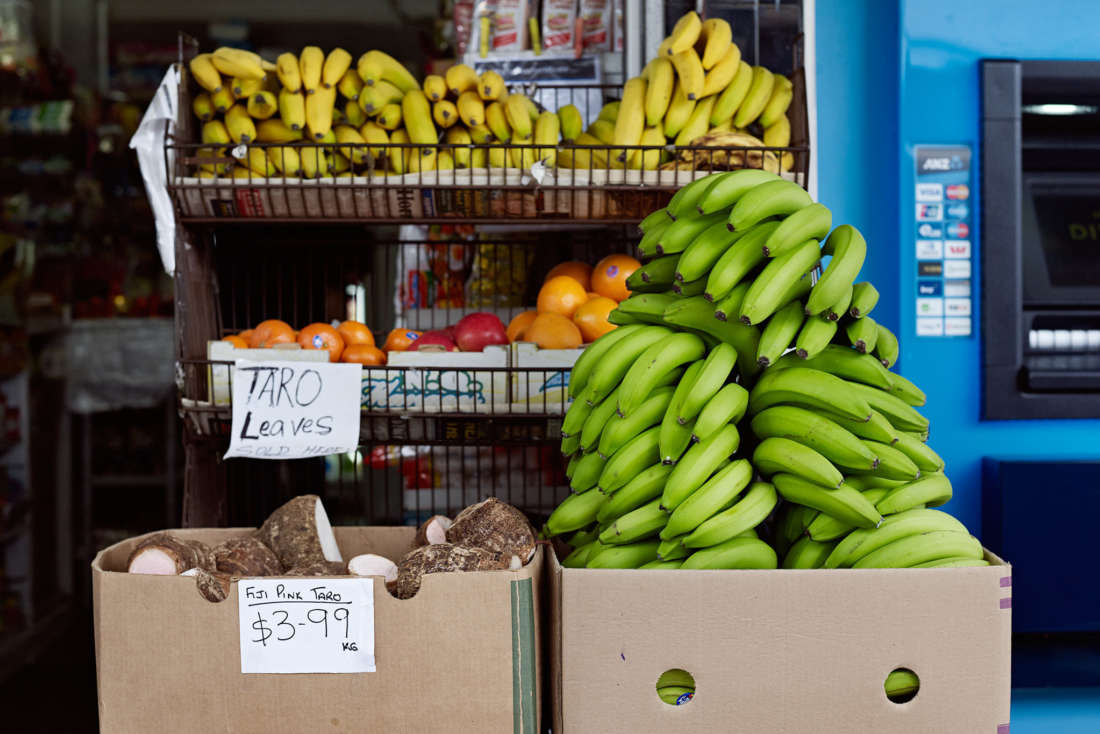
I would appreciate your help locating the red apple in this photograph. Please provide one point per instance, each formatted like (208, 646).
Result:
(436, 338)
(478, 330)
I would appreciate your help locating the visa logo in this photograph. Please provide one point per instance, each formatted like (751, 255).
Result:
(930, 231)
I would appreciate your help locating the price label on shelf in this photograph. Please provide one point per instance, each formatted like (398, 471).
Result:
(294, 410)
(306, 625)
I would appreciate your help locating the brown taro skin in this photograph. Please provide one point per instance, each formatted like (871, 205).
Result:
(495, 526)
(320, 568)
(442, 558)
(291, 531)
(185, 554)
(246, 556)
(213, 586)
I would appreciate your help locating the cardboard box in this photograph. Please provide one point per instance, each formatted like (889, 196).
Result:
(460, 656)
(781, 651)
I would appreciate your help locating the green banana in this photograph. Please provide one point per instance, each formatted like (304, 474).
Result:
(726, 308)
(574, 512)
(673, 549)
(646, 485)
(824, 528)
(892, 464)
(637, 524)
(728, 190)
(638, 453)
(704, 251)
(584, 536)
(903, 416)
(593, 354)
(618, 430)
(631, 555)
(748, 512)
(647, 245)
(619, 318)
(717, 493)
(840, 308)
(700, 461)
(697, 313)
(931, 490)
(676, 677)
(864, 298)
(655, 217)
(809, 388)
(674, 437)
(683, 204)
(809, 223)
(717, 368)
(654, 364)
(690, 288)
(575, 416)
(835, 443)
(778, 198)
(776, 454)
(587, 474)
(779, 332)
(906, 390)
(814, 337)
(795, 520)
(921, 454)
(659, 271)
(807, 553)
(682, 232)
(574, 459)
(732, 554)
(921, 548)
(864, 482)
(876, 429)
(597, 419)
(953, 562)
(844, 362)
(779, 275)
(674, 695)
(737, 261)
(843, 502)
(578, 557)
(848, 250)
(570, 444)
(901, 685)
(648, 307)
(726, 406)
(659, 565)
(886, 347)
(608, 373)
(863, 334)
(859, 543)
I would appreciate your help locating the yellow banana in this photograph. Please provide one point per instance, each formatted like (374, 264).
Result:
(479, 158)
(350, 85)
(218, 167)
(444, 161)
(648, 159)
(235, 62)
(519, 118)
(390, 116)
(204, 72)
(760, 91)
(715, 36)
(319, 106)
(662, 50)
(276, 131)
(698, 123)
(357, 151)
(720, 76)
(203, 106)
(490, 85)
(444, 113)
(522, 154)
(685, 33)
(375, 66)
(215, 132)
(338, 163)
(435, 87)
(374, 134)
(733, 95)
(374, 97)
(583, 158)
(336, 63)
(257, 161)
(547, 131)
(286, 160)
(497, 121)
(240, 125)
(778, 135)
(609, 111)
(222, 99)
(268, 67)
(782, 93)
(481, 134)
(310, 63)
(470, 108)
(532, 109)
(689, 70)
(353, 113)
(244, 88)
(289, 73)
(722, 127)
(421, 159)
(631, 121)
(679, 110)
(459, 137)
(417, 115)
(460, 78)
(338, 116)
(262, 105)
(602, 130)
(662, 78)
(570, 123)
(498, 157)
(292, 109)
(241, 172)
(312, 161)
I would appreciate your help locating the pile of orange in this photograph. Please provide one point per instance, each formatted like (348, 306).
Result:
(351, 341)
(574, 302)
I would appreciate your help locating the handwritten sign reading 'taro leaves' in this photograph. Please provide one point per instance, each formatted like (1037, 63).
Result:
(306, 625)
(294, 410)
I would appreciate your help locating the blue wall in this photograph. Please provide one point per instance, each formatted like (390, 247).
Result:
(892, 75)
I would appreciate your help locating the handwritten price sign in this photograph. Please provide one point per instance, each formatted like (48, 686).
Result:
(306, 625)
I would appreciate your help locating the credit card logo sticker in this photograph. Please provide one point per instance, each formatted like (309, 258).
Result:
(955, 326)
(929, 327)
(929, 268)
(929, 287)
(930, 231)
(956, 288)
(929, 192)
(929, 307)
(956, 269)
(958, 211)
(956, 249)
(929, 249)
(929, 212)
(956, 306)
(958, 230)
(958, 192)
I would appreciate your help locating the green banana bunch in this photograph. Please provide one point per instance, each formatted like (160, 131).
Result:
(848, 250)
(646, 485)
(777, 198)
(809, 388)
(574, 512)
(700, 461)
(932, 490)
(724, 407)
(734, 553)
(717, 494)
(824, 528)
(674, 437)
(843, 502)
(746, 513)
(636, 525)
(859, 543)
(807, 553)
(737, 261)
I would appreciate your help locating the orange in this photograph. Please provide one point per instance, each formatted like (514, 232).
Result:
(271, 332)
(363, 354)
(578, 271)
(236, 341)
(561, 295)
(399, 340)
(591, 318)
(610, 274)
(322, 336)
(354, 332)
(593, 294)
(519, 324)
(246, 335)
(553, 331)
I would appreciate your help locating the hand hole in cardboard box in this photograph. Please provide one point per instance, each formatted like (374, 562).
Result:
(901, 685)
(676, 687)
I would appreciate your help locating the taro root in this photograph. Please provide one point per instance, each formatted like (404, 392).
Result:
(434, 530)
(320, 568)
(496, 526)
(442, 558)
(300, 534)
(246, 556)
(369, 564)
(213, 586)
(166, 555)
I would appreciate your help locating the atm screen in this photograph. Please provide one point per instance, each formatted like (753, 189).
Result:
(1069, 233)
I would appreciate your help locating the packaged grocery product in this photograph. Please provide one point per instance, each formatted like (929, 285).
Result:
(618, 24)
(558, 19)
(510, 25)
(596, 15)
(464, 20)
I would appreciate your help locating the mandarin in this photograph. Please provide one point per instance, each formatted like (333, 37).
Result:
(553, 331)
(561, 295)
(610, 274)
(591, 318)
(322, 336)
